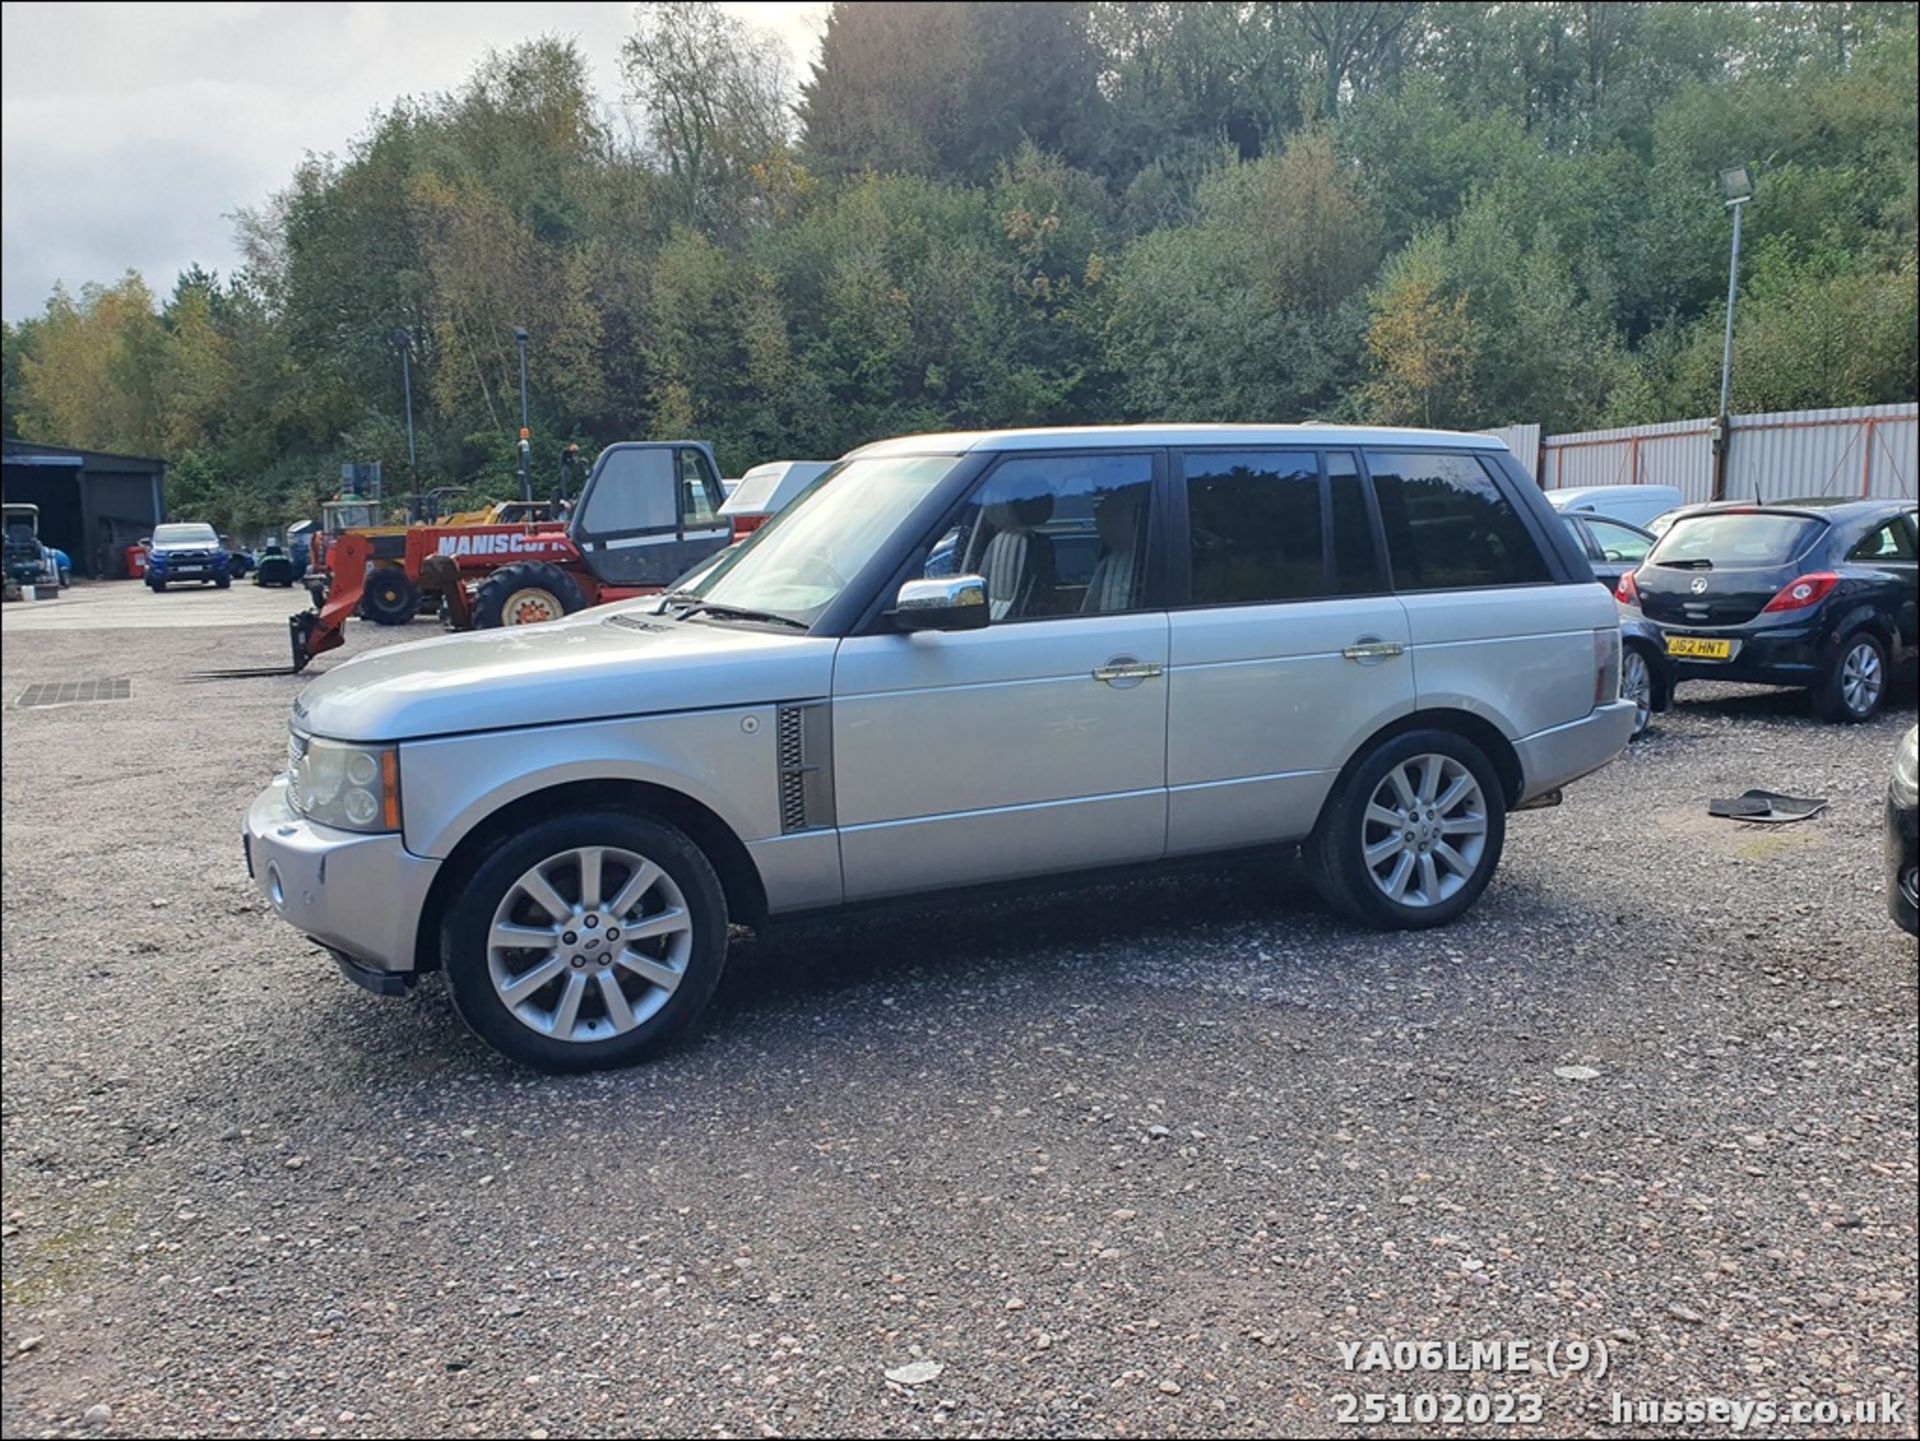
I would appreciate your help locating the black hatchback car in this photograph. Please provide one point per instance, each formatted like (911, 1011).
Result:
(1814, 593)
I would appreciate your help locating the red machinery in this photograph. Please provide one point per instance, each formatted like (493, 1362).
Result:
(649, 512)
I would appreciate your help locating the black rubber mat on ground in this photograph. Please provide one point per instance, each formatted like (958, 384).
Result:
(1766, 807)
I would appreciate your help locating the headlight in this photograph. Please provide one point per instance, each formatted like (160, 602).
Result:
(354, 788)
(1906, 770)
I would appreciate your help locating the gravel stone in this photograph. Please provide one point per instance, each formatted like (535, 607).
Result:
(897, 1171)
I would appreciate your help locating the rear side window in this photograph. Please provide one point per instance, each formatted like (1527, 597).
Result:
(1892, 541)
(1737, 538)
(1258, 527)
(1254, 525)
(1356, 556)
(1448, 526)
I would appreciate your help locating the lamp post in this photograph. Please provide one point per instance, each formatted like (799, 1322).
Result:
(403, 342)
(1736, 188)
(526, 446)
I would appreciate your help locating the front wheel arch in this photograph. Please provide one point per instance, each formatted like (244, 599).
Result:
(739, 876)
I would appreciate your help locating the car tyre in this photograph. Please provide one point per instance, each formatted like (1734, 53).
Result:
(390, 597)
(663, 976)
(221, 582)
(1637, 684)
(1449, 824)
(156, 586)
(1855, 685)
(526, 592)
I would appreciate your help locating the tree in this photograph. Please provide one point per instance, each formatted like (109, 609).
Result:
(714, 97)
(1422, 343)
(950, 88)
(92, 378)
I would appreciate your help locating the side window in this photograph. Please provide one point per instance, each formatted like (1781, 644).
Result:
(1054, 535)
(1448, 526)
(1356, 556)
(1579, 536)
(1892, 541)
(1254, 525)
(1619, 542)
(636, 490)
(700, 492)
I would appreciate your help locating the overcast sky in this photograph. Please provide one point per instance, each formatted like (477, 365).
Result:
(128, 133)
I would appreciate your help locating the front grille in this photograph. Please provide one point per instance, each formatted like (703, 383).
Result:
(804, 756)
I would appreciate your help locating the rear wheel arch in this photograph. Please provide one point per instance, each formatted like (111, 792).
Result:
(739, 877)
(1478, 729)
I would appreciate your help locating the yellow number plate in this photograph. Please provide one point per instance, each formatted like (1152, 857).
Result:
(1699, 647)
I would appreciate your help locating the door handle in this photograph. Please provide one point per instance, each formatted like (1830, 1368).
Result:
(1122, 669)
(1372, 648)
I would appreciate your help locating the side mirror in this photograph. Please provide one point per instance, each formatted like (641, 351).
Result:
(950, 602)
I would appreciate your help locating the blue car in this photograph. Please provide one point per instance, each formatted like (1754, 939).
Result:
(187, 551)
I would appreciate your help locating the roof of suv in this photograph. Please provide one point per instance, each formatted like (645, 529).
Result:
(963, 441)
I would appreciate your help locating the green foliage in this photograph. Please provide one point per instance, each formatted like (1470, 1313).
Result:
(984, 214)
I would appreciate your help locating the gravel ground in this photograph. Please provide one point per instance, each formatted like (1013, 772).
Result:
(1118, 1161)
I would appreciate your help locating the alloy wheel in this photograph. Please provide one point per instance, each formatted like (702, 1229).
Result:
(589, 943)
(1424, 832)
(1636, 685)
(1861, 678)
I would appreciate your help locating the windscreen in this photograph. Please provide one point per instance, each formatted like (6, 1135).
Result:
(798, 562)
(1737, 538)
(185, 535)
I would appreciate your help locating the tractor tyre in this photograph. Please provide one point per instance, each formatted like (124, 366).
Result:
(522, 594)
(390, 597)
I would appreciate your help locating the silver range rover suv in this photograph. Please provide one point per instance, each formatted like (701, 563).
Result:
(953, 661)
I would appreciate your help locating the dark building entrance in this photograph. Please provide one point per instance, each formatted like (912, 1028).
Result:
(93, 504)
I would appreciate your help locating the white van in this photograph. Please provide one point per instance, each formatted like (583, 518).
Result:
(1635, 504)
(763, 490)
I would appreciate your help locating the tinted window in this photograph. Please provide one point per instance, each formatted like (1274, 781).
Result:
(1892, 541)
(1448, 526)
(1619, 542)
(1054, 535)
(1253, 519)
(1736, 538)
(1356, 558)
(635, 490)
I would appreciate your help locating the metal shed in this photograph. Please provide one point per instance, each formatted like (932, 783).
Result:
(93, 504)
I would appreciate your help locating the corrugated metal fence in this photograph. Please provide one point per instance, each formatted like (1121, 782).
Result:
(1860, 450)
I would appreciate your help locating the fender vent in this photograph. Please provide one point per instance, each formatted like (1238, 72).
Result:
(805, 759)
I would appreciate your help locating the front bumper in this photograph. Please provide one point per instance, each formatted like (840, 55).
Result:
(359, 896)
(1903, 856)
(1550, 759)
